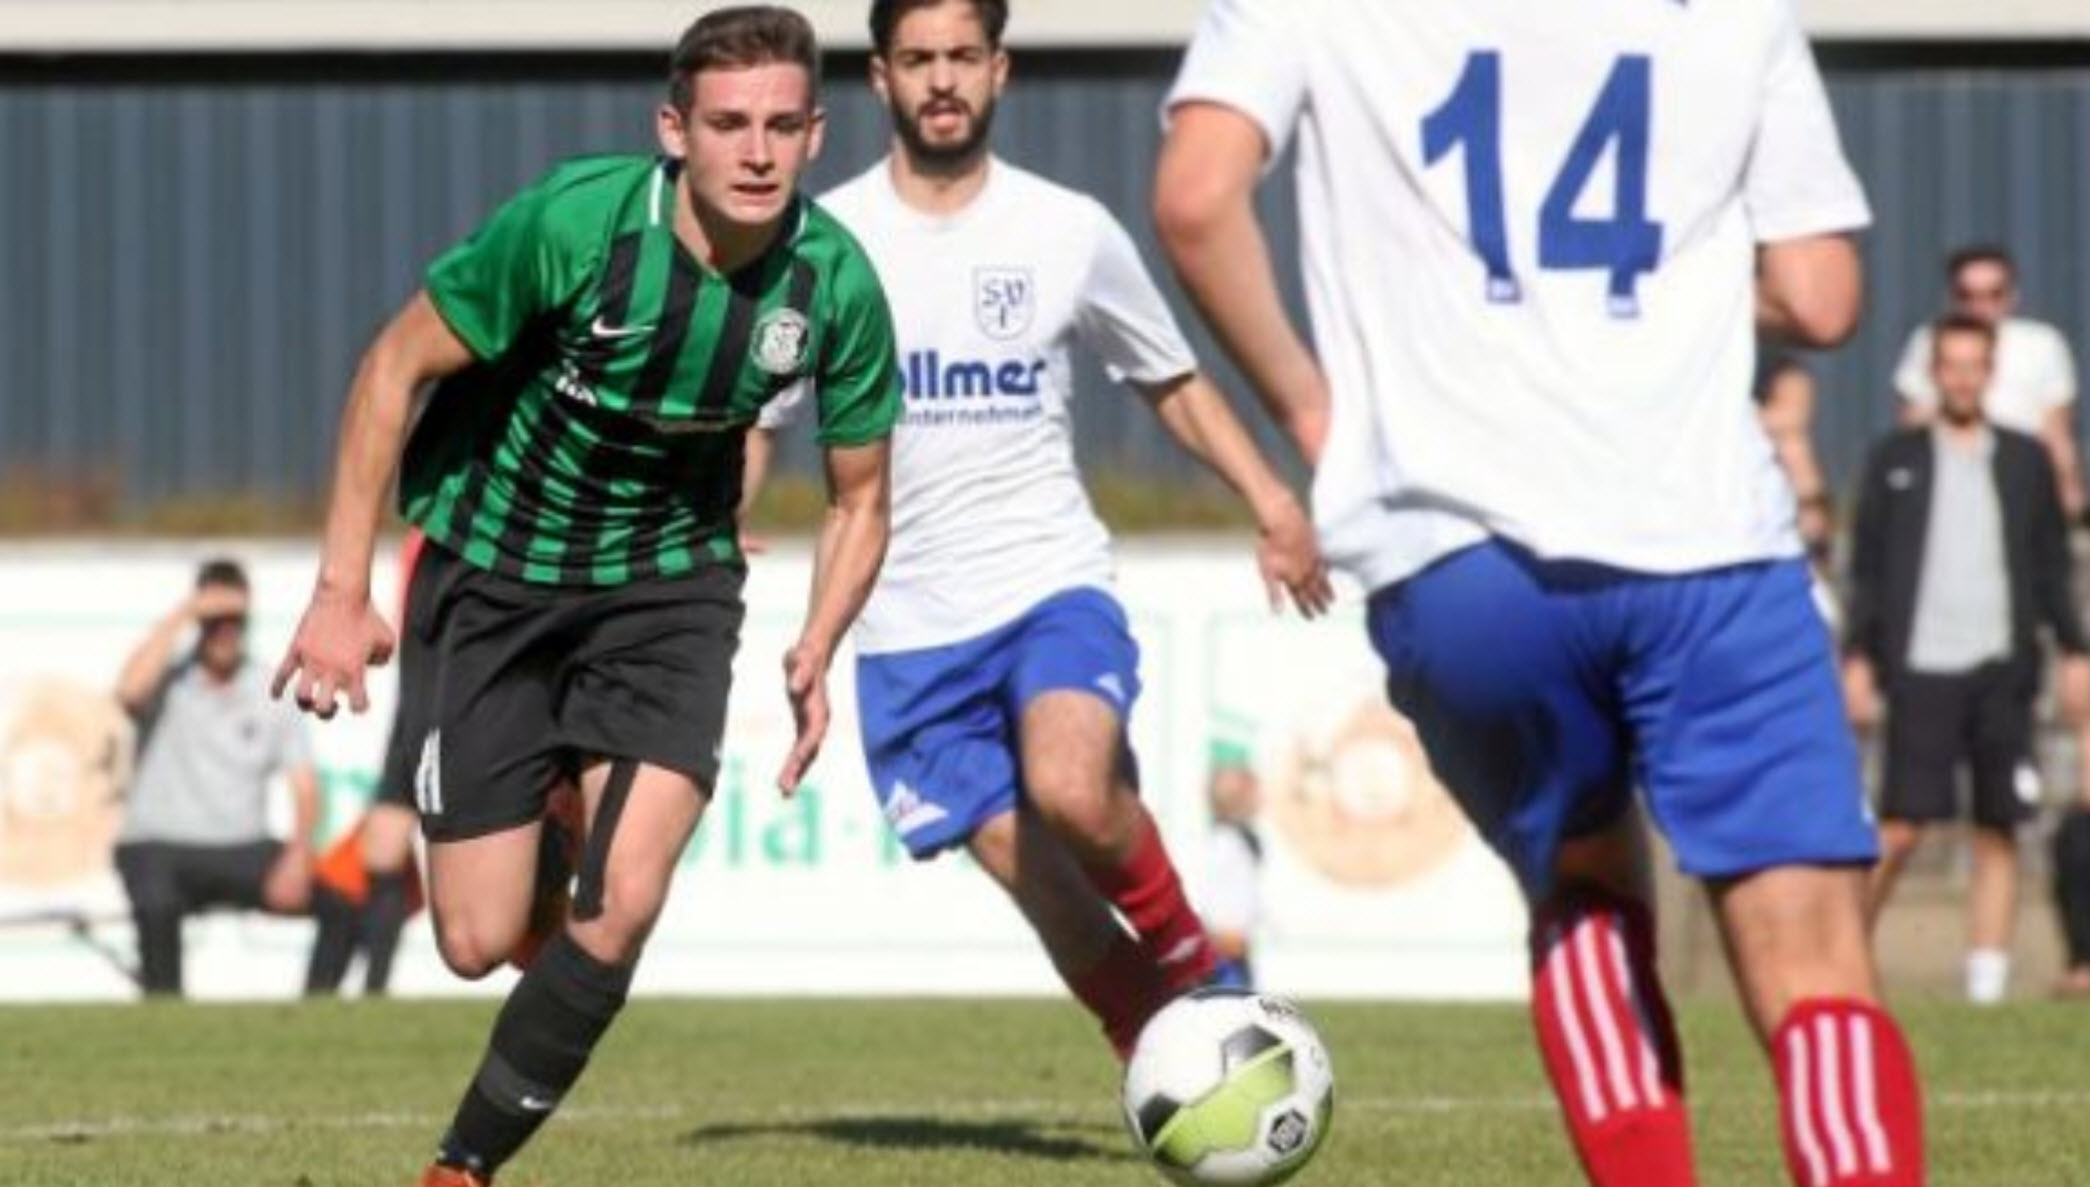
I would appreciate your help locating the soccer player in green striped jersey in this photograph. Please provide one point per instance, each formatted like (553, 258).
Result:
(600, 347)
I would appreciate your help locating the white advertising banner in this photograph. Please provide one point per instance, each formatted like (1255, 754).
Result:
(1372, 884)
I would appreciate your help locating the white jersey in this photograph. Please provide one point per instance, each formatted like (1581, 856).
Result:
(1528, 235)
(989, 513)
(2035, 374)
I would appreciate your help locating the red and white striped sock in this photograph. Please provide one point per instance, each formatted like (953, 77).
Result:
(1609, 1042)
(1850, 1110)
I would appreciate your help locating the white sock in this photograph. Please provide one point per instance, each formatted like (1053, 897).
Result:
(1988, 975)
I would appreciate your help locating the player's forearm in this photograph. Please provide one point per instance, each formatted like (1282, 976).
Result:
(1809, 291)
(1224, 264)
(373, 429)
(1796, 455)
(1197, 416)
(851, 548)
(415, 347)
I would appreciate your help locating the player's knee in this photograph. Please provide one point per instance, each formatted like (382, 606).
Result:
(631, 902)
(1085, 811)
(470, 951)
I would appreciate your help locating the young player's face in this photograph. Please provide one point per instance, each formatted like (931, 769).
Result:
(1985, 289)
(746, 138)
(1960, 366)
(941, 79)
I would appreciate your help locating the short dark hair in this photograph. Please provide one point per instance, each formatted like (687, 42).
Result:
(886, 14)
(1979, 253)
(735, 38)
(1961, 323)
(221, 572)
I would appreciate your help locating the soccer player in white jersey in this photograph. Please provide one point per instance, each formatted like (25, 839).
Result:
(996, 674)
(1538, 240)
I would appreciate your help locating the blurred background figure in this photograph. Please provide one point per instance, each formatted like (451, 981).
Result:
(2033, 388)
(195, 832)
(2072, 898)
(1960, 560)
(1233, 902)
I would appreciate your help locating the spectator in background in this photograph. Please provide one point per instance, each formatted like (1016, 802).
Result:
(1960, 558)
(1233, 867)
(195, 830)
(2033, 390)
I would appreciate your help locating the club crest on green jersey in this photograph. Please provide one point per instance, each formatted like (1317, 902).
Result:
(781, 338)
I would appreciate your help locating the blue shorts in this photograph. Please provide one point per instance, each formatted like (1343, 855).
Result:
(1544, 691)
(939, 724)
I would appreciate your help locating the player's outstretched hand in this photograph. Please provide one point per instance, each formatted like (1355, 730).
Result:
(1290, 559)
(805, 682)
(337, 640)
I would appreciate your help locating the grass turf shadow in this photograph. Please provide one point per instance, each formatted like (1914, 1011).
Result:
(1049, 1142)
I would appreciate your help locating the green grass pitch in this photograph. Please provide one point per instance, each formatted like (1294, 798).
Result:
(916, 1094)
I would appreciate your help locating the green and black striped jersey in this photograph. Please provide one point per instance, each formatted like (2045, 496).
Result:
(600, 436)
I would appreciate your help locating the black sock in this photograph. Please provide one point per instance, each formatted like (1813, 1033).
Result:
(554, 1017)
(383, 915)
(159, 951)
(2072, 884)
(333, 944)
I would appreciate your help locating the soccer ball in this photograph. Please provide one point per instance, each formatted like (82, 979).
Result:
(1229, 1087)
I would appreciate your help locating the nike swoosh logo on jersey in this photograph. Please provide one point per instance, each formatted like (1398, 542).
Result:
(601, 328)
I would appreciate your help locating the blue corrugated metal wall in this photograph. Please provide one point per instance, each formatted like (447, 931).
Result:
(195, 251)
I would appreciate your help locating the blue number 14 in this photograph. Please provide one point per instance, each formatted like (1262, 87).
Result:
(1626, 244)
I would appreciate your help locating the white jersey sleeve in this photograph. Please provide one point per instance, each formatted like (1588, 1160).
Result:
(1246, 56)
(1798, 182)
(1122, 316)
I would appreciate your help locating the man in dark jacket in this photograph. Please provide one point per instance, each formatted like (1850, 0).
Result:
(1960, 560)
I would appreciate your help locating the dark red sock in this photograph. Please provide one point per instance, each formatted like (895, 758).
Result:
(1850, 1111)
(1122, 990)
(1147, 892)
(1609, 1042)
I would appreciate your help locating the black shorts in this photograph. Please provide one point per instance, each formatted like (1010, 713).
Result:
(170, 876)
(1936, 725)
(523, 683)
(412, 715)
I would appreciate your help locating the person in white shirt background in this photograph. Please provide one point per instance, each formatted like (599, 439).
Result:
(1233, 898)
(996, 674)
(2034, 388)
